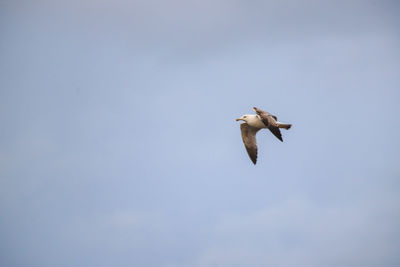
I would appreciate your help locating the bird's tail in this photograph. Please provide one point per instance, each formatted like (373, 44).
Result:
(284, 125)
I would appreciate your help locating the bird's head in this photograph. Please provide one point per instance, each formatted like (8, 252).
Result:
(243, 118)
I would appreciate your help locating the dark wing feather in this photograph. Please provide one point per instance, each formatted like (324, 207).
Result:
(249, 140)
(276, 132)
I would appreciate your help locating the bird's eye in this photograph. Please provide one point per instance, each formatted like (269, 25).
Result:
(245, 117)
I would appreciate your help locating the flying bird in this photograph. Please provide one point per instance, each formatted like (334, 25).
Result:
(255, 122)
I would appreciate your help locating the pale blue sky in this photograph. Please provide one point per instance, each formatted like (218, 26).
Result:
(119, 145)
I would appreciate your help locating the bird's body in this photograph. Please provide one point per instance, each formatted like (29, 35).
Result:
(254, 123)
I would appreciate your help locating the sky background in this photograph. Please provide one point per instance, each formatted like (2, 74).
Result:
(119, 145)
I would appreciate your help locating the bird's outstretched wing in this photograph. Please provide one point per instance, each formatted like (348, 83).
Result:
(266, 117)
(249, 140)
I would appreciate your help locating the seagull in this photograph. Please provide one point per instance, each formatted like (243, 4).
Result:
(255, 122)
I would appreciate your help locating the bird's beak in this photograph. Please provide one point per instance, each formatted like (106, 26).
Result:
(239, 119)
